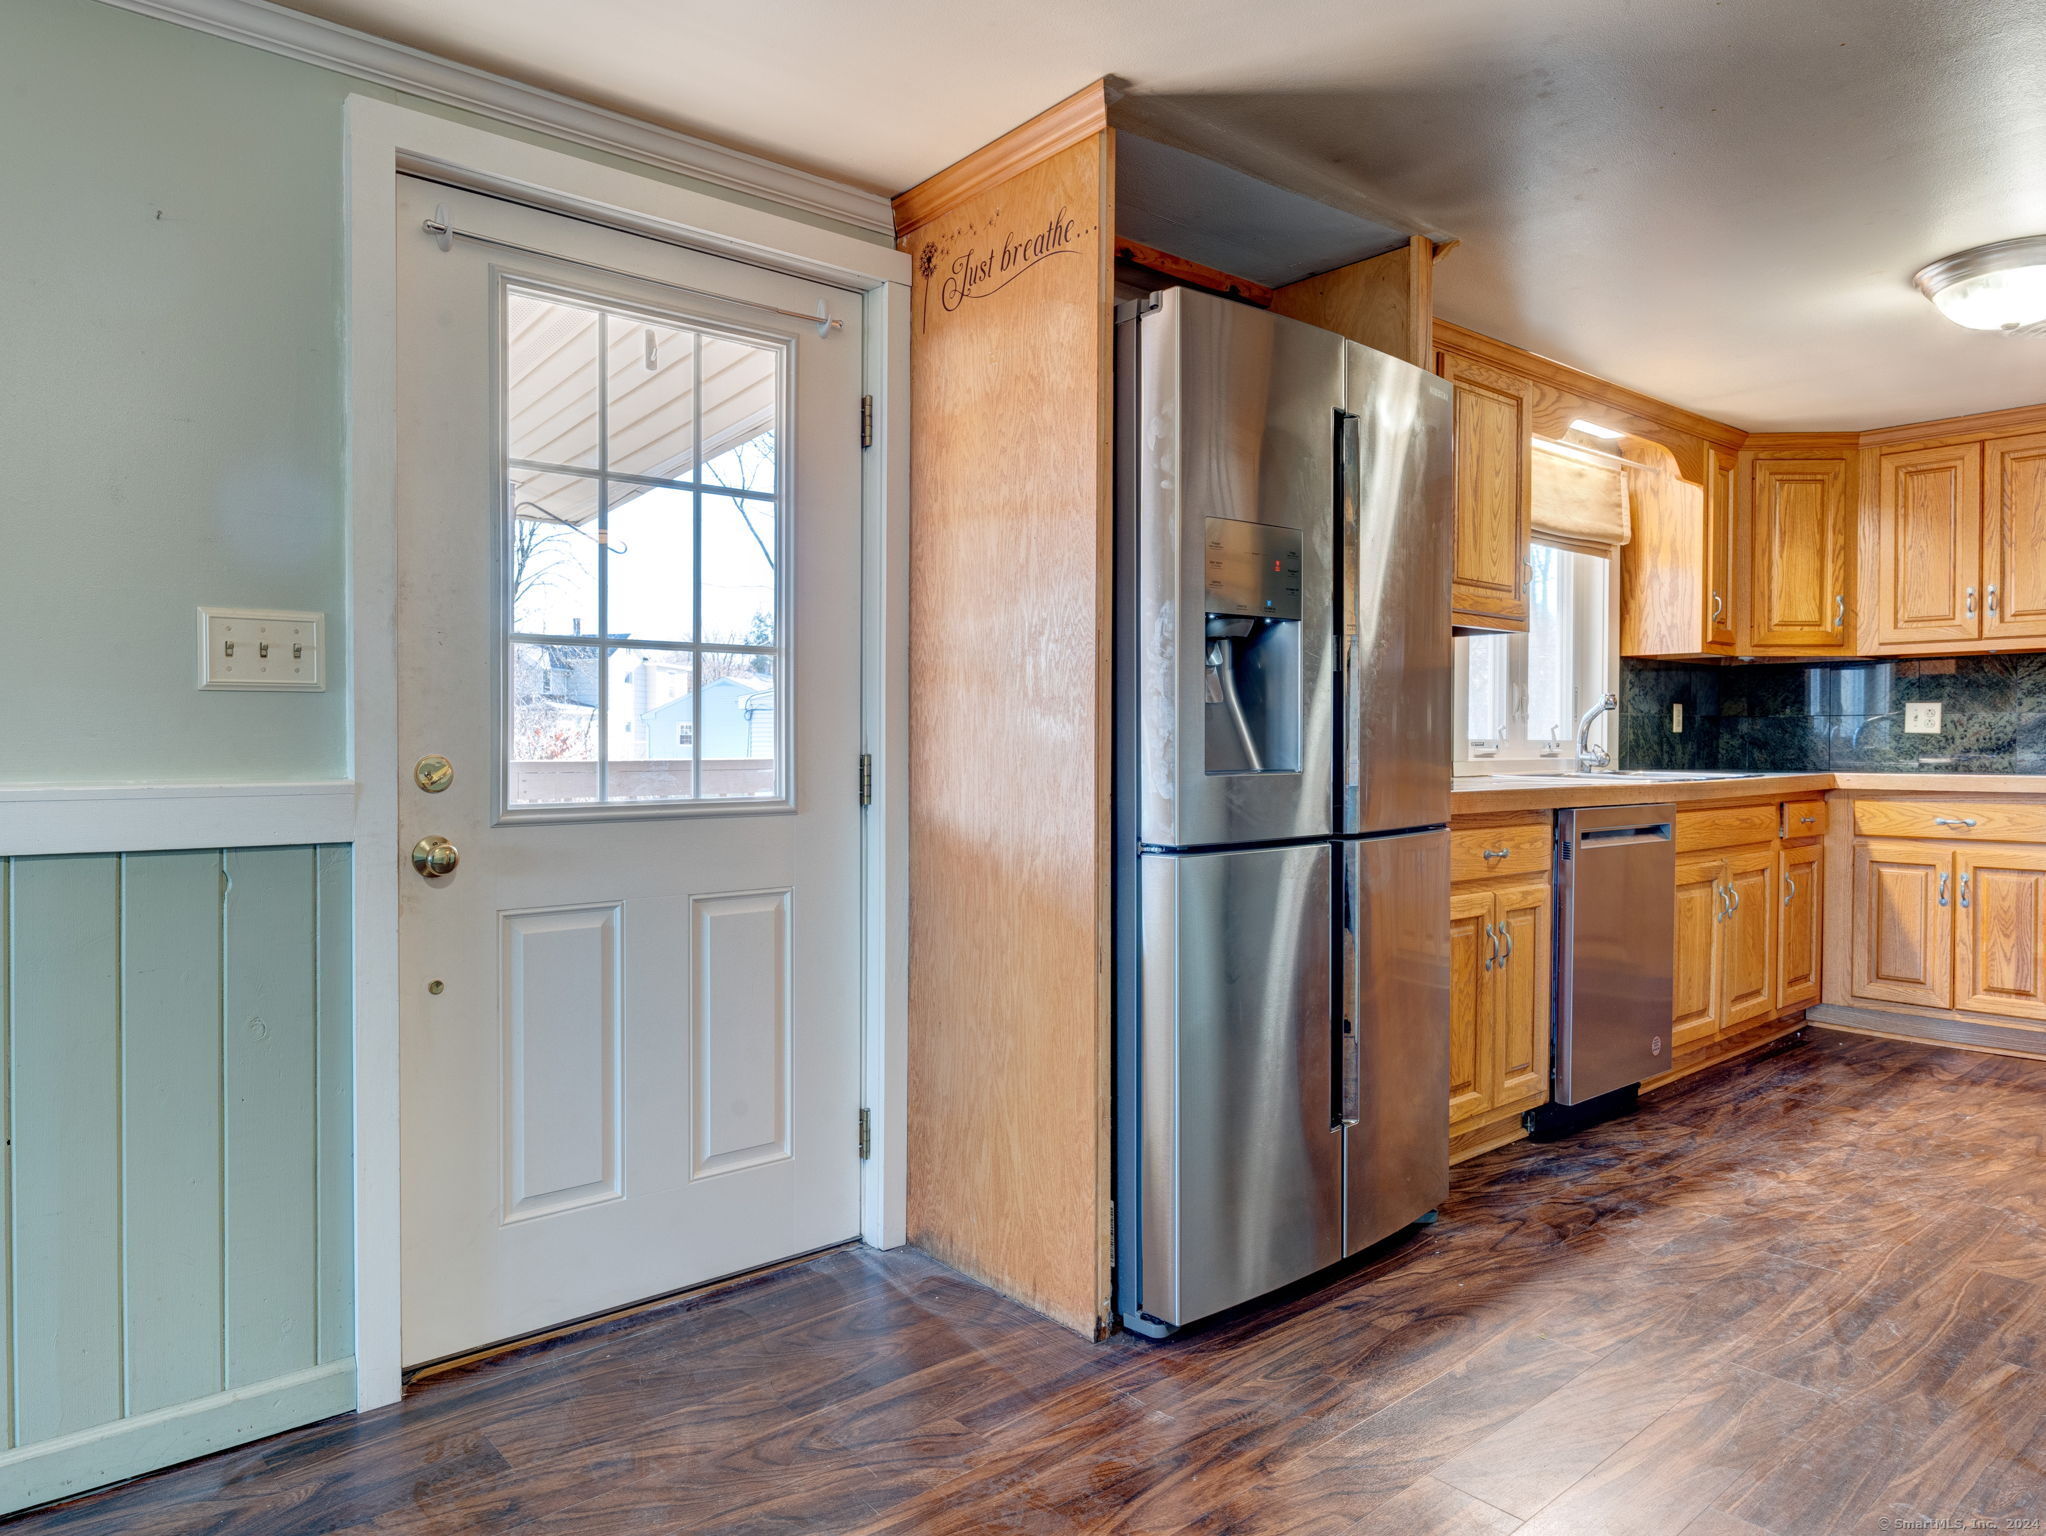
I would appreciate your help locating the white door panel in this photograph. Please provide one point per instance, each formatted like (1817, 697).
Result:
(628, 613)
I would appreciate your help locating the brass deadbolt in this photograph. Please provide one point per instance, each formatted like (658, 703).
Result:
(433, 773)
(435, 856)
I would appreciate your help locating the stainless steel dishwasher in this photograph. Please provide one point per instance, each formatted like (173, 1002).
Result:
(1616, 877)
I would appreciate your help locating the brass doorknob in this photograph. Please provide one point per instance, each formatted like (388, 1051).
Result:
(435, 856)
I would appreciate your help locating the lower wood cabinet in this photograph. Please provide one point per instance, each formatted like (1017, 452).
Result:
(1748, 924)
(1800, 925)
(1951, 926)
(1903, 923)
(1501, 937)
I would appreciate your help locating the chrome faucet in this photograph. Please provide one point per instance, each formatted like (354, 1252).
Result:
(1591, 755)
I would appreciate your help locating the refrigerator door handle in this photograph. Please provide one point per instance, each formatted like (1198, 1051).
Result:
(1347, 1112)
(1350, 469)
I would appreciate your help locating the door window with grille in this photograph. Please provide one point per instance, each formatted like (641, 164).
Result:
(644, 538)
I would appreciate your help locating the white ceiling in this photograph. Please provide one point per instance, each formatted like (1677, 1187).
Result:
(1717, 201)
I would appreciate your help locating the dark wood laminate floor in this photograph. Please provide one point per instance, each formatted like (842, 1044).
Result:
(1799, 1296)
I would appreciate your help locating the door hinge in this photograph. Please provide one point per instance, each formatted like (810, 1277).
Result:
(866, 778)
(866, 1134)
(866, 421)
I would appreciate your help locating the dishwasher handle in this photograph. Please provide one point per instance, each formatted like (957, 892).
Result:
(1624, 837)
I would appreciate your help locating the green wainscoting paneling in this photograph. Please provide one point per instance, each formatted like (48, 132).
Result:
(176, 1226)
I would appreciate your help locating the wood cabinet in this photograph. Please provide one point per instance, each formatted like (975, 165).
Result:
(2000, 932)
(1929, 545)
(1903, 923)
(1800, 925)
(2014, 539)
(1721, 499)
(1699, 974)
(1750, 936)
(1501, 943)
(1494, 509)
(1523, 916)
(1802, 533)
(1749, 905)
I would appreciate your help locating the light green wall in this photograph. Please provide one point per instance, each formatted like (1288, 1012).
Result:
(171, 399)
(176, 1222)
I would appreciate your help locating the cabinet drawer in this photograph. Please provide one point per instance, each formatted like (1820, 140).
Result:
(1728, 826)
(1952, 820)
(1803, 818)
(1521, 848)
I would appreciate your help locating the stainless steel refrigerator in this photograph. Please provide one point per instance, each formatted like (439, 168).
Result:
(1283, 515)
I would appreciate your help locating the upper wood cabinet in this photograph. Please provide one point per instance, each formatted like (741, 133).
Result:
(1494, 510)
(1721, 482)
(1929, 545)
(1802, 531)
(2014, 539)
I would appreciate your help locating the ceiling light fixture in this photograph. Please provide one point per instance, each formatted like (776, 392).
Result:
(1996, 287)
(1581, 425)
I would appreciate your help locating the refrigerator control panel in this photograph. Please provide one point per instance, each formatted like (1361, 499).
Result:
(1253, 569)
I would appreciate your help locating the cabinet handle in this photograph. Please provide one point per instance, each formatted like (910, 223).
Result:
(1718, 607)
(1953, 821)
(1493, 958)
(1506, 934)
(1495, 853)
(1790, 890)
(1719, 914)
(1733, 895)
(1942, 890)
(1992, 599)
(1971, 602)
(1964, 887)
(1839, 610)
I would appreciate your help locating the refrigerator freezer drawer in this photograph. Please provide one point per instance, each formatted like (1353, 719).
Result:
(1394, 1039)
(1239, 1183)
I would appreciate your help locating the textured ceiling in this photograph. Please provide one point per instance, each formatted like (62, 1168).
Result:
(1717, 201)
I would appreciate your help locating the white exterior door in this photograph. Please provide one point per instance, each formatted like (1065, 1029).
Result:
(629, 619)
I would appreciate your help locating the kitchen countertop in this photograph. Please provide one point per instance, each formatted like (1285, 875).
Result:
(1513, 792)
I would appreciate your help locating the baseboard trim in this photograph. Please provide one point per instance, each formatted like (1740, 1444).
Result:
(1967, 1033)
(109, 1453)
(1717, 1053)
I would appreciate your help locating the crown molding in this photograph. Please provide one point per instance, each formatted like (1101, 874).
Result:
(329, 45)
(1080, 116)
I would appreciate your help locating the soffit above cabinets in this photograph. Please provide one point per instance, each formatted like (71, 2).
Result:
(1719, 204)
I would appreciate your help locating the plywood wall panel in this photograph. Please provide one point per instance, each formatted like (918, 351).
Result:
(170, 1146)
(268, 1021)
(64, 1080)
(1009, 733)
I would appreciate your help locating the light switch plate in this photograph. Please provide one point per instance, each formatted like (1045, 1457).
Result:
(1676, 719)
(1922, 719)
(262, 649)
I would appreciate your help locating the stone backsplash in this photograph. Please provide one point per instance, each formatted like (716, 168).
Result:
(1844, 716)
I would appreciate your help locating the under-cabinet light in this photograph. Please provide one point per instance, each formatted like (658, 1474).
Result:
(1581, 425)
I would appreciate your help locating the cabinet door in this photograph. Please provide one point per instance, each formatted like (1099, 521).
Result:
(2000, 943)
(1903, 923)
(1701, 906)
(1494, 473)
(1472, 1003)
(2014, 539)
(1803, 539)
(1720, 482)
(1929, 546)
(1750, 937)
(1521, 1051)
(1800, 917)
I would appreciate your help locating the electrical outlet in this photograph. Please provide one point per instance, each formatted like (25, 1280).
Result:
(1922, 719)
(261, 649)
(1676, 719)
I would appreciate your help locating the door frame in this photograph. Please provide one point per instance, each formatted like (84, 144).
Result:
(381, 142)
